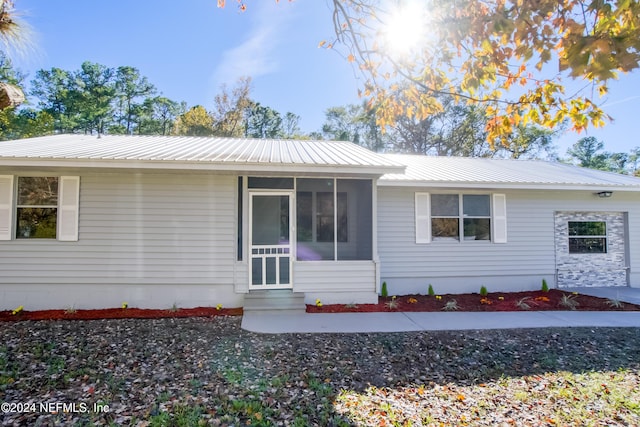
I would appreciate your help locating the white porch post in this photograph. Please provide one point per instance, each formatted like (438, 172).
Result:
(374, 231)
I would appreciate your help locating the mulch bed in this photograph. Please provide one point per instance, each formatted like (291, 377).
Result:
(493, 301)
(118, 313)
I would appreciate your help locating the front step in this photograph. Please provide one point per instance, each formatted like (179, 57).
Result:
(274, 301)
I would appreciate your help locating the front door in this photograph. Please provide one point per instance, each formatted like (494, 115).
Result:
(270, 240)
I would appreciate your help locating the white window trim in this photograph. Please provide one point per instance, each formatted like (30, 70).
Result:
(498, 218)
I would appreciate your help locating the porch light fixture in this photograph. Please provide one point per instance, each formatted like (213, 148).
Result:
(604, 194)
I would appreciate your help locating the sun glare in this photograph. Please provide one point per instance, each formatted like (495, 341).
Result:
(405, 29)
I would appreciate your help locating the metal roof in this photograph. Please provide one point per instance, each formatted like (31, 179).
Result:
(175, 152)
(301, 156)
(501, 173)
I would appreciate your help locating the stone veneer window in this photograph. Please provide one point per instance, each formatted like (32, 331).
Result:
(587, 237)
(591, 269)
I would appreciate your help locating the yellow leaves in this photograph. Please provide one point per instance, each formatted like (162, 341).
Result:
(322, 43)
(470, 84)
(602, 90)
(487, 46)
(351, 58)
(221, 3)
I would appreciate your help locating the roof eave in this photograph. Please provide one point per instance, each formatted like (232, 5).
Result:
(506, 186)
(173, 165)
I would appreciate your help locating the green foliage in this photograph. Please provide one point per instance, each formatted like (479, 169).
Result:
(94, 98)
(131, 88)
(8, 73)
(431, 292)
(262, 122)
(157, 116)
(355, 123)
(588, 152)
(545, 287)
(24, 123)
(181, 415)
(384, 292)
(483, 291)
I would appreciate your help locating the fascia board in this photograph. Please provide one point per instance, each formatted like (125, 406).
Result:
(198, 166)
(507, 186)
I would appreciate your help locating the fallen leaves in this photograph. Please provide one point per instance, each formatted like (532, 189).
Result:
(207, 371)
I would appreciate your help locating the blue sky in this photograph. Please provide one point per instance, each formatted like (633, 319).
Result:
(188, 49)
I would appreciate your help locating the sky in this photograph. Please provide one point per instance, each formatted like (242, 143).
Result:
(188, 49)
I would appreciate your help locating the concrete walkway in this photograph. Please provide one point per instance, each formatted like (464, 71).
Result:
(274, 323)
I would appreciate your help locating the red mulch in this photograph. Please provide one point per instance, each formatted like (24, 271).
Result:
(118, 313)
(495, 301)
(537, 300)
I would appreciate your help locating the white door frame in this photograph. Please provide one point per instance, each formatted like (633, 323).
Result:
(264, 252)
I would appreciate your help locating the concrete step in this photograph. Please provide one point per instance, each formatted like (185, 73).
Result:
(274, 301)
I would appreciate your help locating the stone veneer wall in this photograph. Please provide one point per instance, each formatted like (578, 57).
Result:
(591, 269)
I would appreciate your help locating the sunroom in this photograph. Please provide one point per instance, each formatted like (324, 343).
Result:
(311, 234)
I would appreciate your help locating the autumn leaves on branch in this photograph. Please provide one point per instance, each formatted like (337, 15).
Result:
(539, 62)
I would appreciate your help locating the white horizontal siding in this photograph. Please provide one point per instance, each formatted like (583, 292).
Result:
(64, 295)
(137, 229)
(529, 251)
(334, 276)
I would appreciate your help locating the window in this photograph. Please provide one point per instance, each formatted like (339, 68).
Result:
(476, 211)
(587, 237)
(323, 209)
(460, 217)
(445, 213)
(37, 208)
(454, 215)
